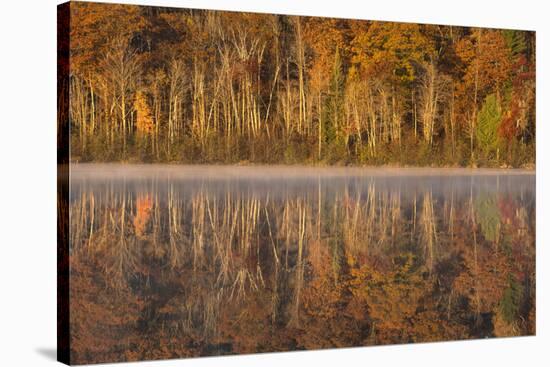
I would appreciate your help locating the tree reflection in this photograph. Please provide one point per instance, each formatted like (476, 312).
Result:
(164, 269)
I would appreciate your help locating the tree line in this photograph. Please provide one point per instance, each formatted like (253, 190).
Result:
(153, 84)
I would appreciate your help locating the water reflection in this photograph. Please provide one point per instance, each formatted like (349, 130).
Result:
(170, 267)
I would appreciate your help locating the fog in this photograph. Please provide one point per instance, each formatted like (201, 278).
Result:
(185, 172)
(295, 180)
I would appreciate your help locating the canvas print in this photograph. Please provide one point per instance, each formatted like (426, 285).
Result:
(234, 183)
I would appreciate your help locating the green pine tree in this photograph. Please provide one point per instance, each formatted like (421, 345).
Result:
(515, 41)
(488, 121)
(511, 300)
(489, 216)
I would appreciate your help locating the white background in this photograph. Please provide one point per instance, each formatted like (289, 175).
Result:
(28, 179)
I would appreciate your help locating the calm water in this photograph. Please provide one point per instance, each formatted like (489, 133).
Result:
(175, 262)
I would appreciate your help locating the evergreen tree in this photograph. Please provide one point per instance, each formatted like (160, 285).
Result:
(515, 40)
(511, 300)
(488, 121)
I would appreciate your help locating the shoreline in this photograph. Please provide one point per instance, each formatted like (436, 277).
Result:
(133, 170)
(525, 167)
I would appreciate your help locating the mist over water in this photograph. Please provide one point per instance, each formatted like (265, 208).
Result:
(206, 260)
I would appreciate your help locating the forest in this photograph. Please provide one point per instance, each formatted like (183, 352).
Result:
(154, 84)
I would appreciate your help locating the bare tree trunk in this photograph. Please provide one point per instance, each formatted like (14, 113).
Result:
(452, 118)
(476, 81)
(300, 64)
(413, 102)
(320, 127)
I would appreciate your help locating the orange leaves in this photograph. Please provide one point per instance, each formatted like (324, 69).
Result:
(144, 206)
(485, 278)
(93, 25)
(144, 121)
(486, 59)
(323, 36)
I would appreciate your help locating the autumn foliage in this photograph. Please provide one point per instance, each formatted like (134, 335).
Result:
(164, 271)
(160, 84)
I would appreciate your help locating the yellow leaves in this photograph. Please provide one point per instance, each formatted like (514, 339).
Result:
(391, 48)
(321, 297)
(391, 297)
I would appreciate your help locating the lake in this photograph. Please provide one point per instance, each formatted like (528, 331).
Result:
(184, 261)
